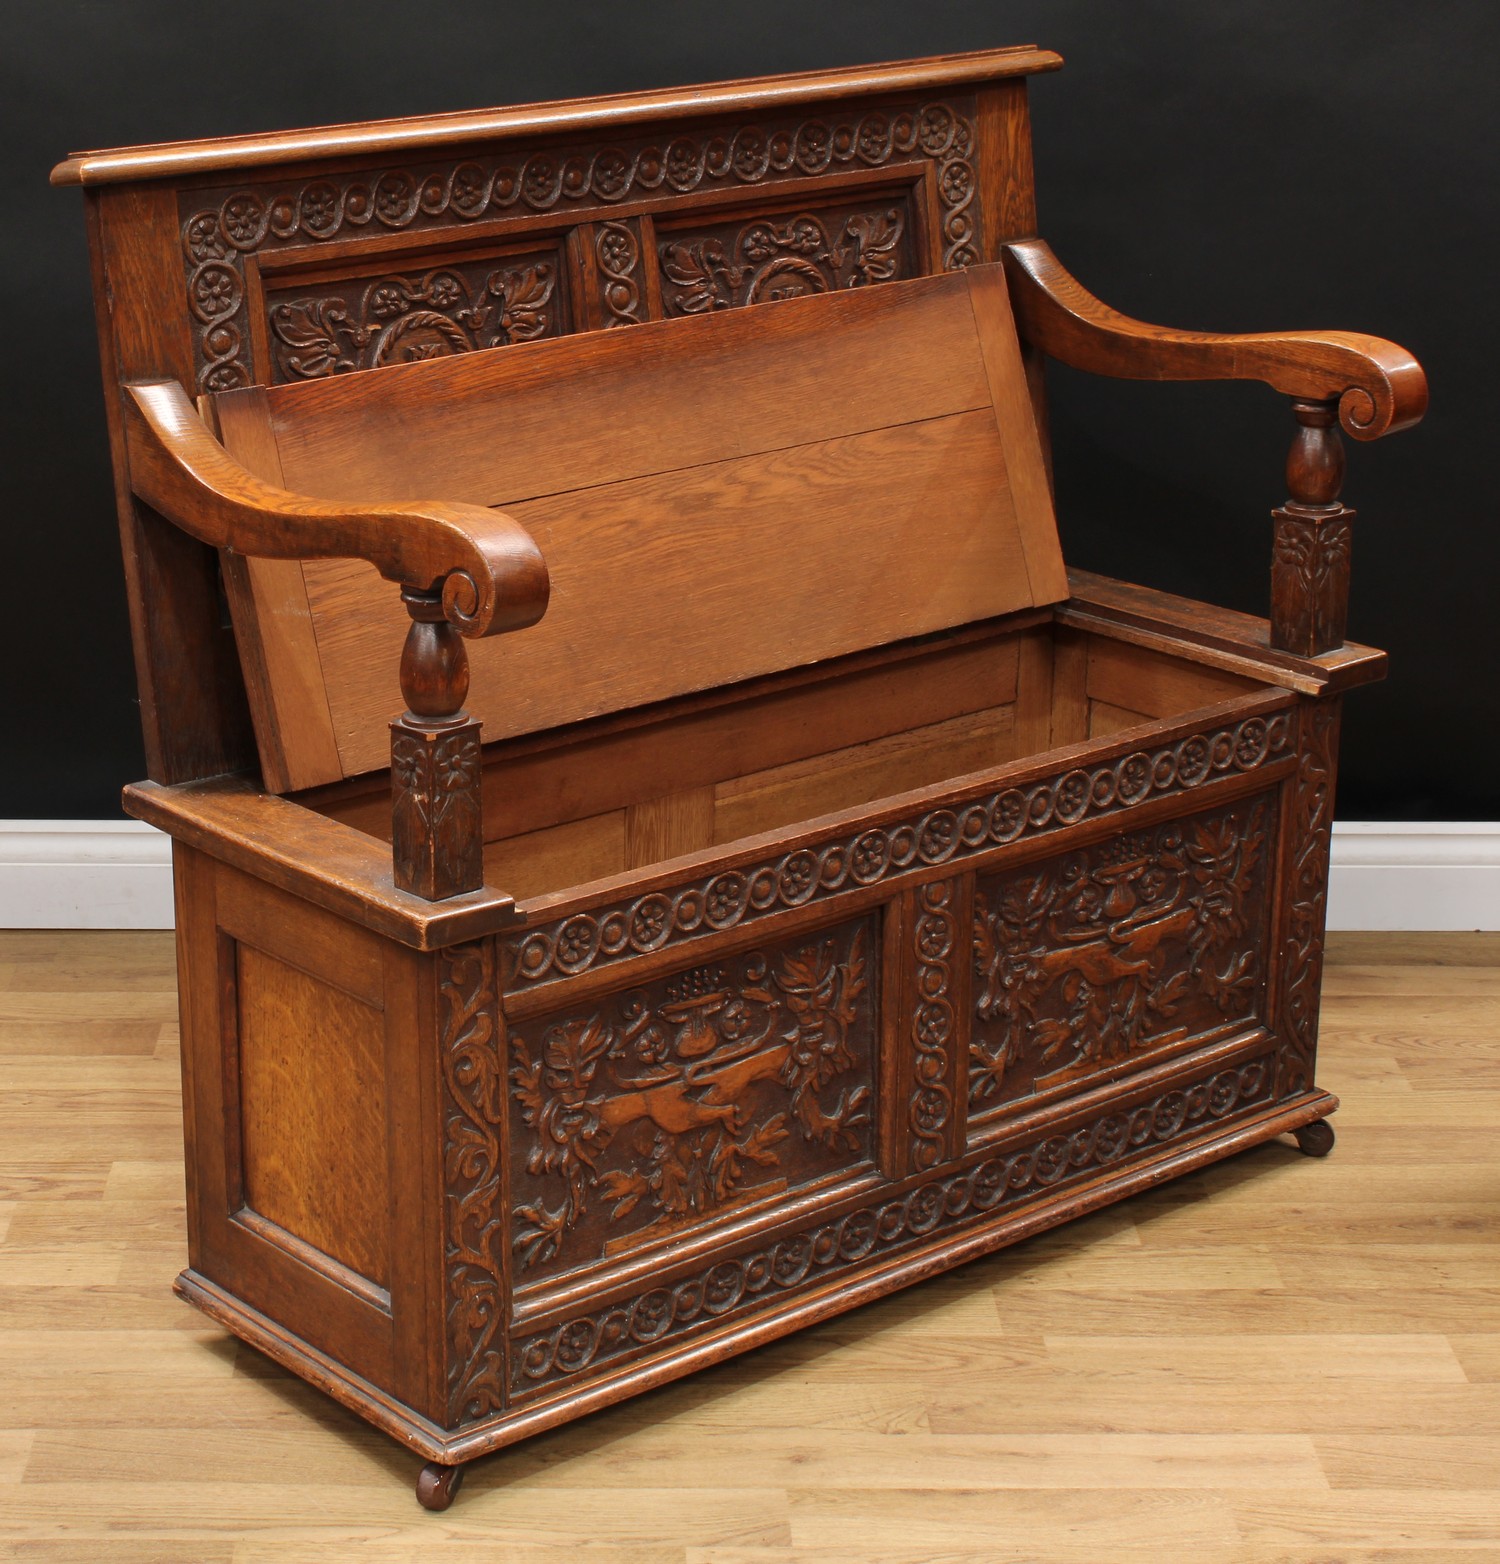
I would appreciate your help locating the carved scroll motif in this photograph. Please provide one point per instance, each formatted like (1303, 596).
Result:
(217, 237)
(680, 1100)
(780, 258)
(399, 318)
(1140, 942)
(934, 1023)
(473, 1112)
(1309, 834)
(618, 252)
(735, 1287)
(880, 853)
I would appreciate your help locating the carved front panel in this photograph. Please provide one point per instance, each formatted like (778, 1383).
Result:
(680, 1100)
(413, 311)
(1135, 944)
(758, 259)
(598, 1340)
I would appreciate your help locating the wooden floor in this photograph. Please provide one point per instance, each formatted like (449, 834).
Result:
(1275, 1359)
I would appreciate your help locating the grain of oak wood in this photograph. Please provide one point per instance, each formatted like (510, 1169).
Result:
(668, 497)
(1306, 1365)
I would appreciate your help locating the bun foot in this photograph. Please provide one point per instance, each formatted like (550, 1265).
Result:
(1315, 1139)
(437, 1485)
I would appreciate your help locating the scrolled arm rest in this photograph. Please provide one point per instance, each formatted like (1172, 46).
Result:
(488, 569)
(1379, 387)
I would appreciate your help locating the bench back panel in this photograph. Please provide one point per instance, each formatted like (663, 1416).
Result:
(717, 498)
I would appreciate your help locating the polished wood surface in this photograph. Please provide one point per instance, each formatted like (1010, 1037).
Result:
(691, 484)
(1273, 1360)
(1379, 387)
(590, 115)
(252, 262)
(488, 570)
(862, 896)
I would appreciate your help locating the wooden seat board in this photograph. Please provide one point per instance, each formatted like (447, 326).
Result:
(716, 498)
(540, 418)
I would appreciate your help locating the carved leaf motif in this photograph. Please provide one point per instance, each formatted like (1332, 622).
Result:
(694, 270)
(524, 296)
(1116, 948)
(474, 1091)
(539, 1233)
(809, 1257)
(572, 1055)
(310, 334)
(665, 1103)
(873, 254)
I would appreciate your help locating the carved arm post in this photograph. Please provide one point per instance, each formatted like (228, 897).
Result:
(1310, 545)
(1369, 386)
(437, 835)
(464, 571)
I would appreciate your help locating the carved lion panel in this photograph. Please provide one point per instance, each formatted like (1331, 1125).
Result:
(1135, 944)
(678, 1101)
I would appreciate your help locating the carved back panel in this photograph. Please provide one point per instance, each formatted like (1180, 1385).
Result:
(294, 257)
(717, 497)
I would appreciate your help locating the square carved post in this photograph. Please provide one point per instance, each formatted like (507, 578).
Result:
(1310, 546)
(437, 835)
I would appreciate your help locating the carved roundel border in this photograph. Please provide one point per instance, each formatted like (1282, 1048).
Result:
(733, 1287)
(241, 222)
(741, 894)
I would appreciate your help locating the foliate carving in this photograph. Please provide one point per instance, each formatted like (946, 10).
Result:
(398, 317)
(1309, 835)
(728, 265)
(1101, 955)
(217, 237)
(1314, 551)
(823, 869)
(436, 839)
(934, 1024)
(735, 1287)
(680, 1100)
(617, 249)
(474, 1231)
(1310, 580)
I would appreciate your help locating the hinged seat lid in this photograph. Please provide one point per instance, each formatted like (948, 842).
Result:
(717, 498)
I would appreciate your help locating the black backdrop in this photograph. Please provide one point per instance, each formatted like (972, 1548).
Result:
(1232, 165)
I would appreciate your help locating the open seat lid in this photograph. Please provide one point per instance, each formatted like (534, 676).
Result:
(717, 498)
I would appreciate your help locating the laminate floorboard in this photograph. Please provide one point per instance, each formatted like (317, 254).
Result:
(1271, 1361)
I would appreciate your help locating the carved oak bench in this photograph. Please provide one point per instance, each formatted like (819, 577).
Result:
(785, 879)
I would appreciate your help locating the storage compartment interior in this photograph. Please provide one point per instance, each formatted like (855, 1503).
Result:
(596, 799)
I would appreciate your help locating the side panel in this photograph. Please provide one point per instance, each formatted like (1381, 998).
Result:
(306, 1094)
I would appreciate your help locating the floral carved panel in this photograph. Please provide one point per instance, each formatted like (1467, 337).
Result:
(629, 1328)
(680, 1100)
(403, 315)
(473, 1061)
(757, 260)
(222, 228)
(1134, 944)
(1305, 914)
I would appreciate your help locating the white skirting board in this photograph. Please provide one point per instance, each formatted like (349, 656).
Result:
(117, 874)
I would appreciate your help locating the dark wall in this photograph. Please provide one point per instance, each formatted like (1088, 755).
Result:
(1237, 165)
